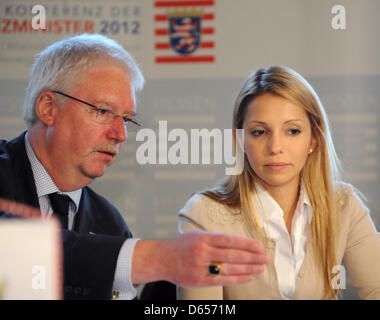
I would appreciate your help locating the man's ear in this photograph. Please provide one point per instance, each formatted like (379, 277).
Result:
(46, 107)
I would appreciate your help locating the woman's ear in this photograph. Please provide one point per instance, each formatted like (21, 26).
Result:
(313, 145)
(46, 107)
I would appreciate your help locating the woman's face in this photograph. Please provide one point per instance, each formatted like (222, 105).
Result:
(277, 140)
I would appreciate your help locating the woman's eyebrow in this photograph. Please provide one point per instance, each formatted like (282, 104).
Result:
(287, 121)
(295, 120)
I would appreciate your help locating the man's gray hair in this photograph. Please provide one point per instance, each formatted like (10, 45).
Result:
(59, 64)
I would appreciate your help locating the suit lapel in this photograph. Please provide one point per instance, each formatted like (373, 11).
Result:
(25, 187)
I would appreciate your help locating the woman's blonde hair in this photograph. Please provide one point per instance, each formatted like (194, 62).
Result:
(320, 175)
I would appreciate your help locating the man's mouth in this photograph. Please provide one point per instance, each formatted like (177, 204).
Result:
(109, 155)
(112, 154)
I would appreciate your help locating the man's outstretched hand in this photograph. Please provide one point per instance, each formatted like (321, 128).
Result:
(185, 259)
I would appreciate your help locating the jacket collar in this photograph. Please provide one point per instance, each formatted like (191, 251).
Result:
(22, 172)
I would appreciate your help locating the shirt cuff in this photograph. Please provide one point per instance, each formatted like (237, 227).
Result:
(123, 288)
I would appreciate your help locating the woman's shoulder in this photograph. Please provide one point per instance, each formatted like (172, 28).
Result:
(348, 196)
(204, 208)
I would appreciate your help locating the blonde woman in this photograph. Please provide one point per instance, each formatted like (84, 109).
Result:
(289, 196)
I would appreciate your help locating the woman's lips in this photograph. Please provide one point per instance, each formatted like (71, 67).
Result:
(277, 166)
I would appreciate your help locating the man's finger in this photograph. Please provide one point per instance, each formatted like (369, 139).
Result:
(209, 281)
(236, 242)
(235, 279)
(238, 256)
(233, 269)
(19, 209)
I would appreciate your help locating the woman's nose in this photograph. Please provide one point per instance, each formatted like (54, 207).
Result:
(275, 144)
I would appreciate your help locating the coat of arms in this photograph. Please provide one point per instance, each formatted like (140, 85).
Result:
(185, 31)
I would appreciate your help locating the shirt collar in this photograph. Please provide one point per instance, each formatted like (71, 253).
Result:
(266, 204)
(44, 183)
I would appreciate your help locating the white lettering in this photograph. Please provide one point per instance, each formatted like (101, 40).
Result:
(178, 153)
(148, 147)
(338, 21)
(181, 147)
(39, 280)
(39, 20)
(161, 310)
(339, 281)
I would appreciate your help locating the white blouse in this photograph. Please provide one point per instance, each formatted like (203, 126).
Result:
(289, 252)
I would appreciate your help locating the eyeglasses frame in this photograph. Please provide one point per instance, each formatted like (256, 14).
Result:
(95, 107)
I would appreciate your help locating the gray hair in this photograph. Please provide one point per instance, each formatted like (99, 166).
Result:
(58, 65)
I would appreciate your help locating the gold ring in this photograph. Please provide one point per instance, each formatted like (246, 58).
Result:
(215, 268)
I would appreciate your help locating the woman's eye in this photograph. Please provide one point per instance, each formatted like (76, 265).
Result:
(294, 131)
(257, 132)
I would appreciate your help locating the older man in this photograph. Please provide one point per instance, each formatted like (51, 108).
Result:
(79, 104)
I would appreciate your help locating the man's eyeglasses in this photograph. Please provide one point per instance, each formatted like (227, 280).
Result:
(103, 116)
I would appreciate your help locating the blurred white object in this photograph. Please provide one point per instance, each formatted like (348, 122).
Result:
(30, 259)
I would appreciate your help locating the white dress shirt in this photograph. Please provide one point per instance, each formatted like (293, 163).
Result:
(122, 286)
(289, 252)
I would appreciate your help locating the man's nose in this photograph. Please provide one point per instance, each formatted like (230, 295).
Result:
(118, 130)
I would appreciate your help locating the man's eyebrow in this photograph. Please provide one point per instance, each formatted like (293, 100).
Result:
(131, 115)
(112, 107)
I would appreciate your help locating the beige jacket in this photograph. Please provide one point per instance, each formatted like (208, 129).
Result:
(358, 247)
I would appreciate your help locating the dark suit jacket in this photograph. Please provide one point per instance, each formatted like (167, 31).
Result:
(89, 261)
